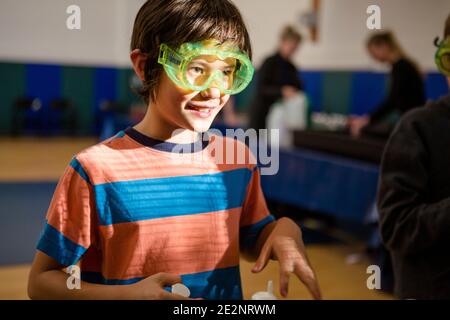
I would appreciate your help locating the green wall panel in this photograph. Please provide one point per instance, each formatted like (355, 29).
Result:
(12, 85)
(78, 86)
(336, 90)
(125, 94)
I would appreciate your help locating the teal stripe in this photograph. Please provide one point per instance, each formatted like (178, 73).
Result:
(336, 92)
(76, 165)
(78, 86)
(12, 79)
(54, 244)
(146, 199)
(219, 284)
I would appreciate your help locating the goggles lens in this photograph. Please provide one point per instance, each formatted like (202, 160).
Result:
(196, 67)
(443, 56)
(445, 62)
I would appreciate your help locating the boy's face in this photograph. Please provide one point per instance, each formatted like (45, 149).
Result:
(191, 110)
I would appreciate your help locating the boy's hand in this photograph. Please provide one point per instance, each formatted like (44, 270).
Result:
(152, 288)
(285, 244)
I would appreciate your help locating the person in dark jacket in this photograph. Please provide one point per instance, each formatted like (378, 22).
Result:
(277, 78)
(406, 89)
(414, 198)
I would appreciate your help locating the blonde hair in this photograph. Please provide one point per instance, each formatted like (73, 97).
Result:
(386, 38)
(389, 39)
(290, 33)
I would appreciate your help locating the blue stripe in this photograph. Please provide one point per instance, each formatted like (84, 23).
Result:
(120, 134)
(56, 245)
(219, 284)
(76, 165)
(249, 234)
(96, 277)
(146, 199)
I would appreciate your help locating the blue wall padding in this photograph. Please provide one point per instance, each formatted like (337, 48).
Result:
(368, 91)
(435, 85)
(312, 81)
(105, 88)
(44, 82)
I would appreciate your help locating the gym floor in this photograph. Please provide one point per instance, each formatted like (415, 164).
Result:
(29, 170)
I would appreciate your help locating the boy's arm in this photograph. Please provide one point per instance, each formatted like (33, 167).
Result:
(47, 280)
(252, 253)
(261, 237)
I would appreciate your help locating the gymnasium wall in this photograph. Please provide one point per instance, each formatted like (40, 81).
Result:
(40, 57)
(35, 31)
(343, 31)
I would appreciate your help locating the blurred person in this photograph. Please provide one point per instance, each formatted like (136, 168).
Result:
(414, 195)
(406, 90)
(277, 79)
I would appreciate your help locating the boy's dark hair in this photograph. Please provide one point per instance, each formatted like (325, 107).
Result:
(175, 22)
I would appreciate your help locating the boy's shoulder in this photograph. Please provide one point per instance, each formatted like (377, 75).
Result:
(433, 109)
(425, 123)
(108, 150)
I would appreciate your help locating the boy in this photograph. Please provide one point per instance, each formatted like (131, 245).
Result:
(414, 195)
(138, 218)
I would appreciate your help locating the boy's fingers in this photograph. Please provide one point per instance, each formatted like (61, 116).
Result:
(284, 281)
(307, 276)
(166, 279)
(262, 260)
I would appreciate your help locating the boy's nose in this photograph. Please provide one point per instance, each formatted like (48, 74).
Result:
(212, 92)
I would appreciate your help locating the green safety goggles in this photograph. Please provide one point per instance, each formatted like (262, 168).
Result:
(201, 65)
(442, 57)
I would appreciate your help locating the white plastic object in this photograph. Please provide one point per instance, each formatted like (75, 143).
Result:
(265, 295)
(181, 289)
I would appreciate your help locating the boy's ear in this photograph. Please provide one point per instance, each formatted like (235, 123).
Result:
(138, 59)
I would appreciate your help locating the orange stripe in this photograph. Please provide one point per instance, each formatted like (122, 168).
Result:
(179, 245)
(124, 159)
(255, 207)
(70, 210)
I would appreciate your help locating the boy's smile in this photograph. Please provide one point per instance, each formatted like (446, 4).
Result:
(202, 109)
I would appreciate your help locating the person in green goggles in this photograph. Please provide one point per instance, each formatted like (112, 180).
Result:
(442, 56)
(414, 195)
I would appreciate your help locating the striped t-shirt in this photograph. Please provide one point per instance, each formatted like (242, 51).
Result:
(130, 207)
